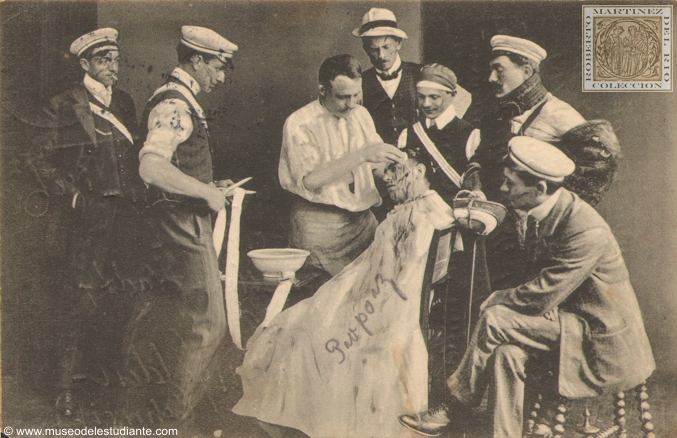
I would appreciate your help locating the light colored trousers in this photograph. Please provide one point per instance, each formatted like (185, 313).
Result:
(495, 357)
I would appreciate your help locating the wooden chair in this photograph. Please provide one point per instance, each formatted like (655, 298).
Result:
(542, 384)
(447, 309)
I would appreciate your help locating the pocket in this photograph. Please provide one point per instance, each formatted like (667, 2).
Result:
(609, 354)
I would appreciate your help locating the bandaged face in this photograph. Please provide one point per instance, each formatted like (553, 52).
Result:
(400, 178)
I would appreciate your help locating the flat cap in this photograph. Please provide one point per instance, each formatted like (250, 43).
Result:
(520, 46)
(206, 40)
(540, 158)
(437, 76)
(96, 37)
(379, 22)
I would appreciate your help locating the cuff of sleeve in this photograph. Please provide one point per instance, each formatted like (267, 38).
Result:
(159, 143)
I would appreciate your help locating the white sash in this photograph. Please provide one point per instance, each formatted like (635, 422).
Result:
(437, 156)
(173, 86)
(109, 116)
(233, 265)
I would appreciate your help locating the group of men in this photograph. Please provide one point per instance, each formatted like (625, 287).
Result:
(573, 295)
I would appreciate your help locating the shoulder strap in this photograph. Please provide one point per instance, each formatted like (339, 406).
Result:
(109, 116)
(532, 117)
(437, 156)
(185, 92)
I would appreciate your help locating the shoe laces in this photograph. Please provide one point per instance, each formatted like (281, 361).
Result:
(438, 409)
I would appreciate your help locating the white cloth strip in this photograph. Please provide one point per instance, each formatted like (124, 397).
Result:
(232, 268)
(173, 86)
(279, 298)
(437, 156)
(107, 115)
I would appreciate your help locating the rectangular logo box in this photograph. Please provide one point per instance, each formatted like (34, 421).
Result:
(627, 48)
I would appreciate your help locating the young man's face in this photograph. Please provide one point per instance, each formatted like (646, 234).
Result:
(342, 96)
(433, 102)
(103, 69)
(506, 75)
(399, 179)
(210, 74)
(382, 51)
(518, 195)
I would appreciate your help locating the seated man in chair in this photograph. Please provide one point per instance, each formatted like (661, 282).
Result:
(578, 299)
(347, 360)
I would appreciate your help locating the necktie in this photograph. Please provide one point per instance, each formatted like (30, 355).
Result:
(388, 76)
(531, 237)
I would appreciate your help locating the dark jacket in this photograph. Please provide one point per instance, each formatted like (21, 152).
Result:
(576, 265)
(85, 161)
(391, 116)
(451, 142)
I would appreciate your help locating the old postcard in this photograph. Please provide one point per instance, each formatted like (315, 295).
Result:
(463, 211)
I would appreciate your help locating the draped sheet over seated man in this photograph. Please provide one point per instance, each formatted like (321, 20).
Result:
(346, 361)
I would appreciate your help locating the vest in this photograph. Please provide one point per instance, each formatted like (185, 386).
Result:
(112, 167)
(192, 157)
(451, 142)
(391, 116)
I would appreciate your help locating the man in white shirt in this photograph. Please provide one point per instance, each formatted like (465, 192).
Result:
(179, 324)
(329, 149)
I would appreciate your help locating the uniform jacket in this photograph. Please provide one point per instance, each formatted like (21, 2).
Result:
(451, 142)
(528, 110)
(77, 155)
(391, 116)
(577, 266)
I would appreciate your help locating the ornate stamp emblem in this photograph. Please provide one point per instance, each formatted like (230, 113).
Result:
(627, 48)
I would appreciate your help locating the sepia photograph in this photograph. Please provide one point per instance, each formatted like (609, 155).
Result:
(338, 218)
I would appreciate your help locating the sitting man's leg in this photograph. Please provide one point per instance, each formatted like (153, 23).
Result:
(485, 362)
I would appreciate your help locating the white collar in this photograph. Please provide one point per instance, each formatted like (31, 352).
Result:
(102, 93)
(540, 212)
(394, 68)
(186, 79)
(443, 119)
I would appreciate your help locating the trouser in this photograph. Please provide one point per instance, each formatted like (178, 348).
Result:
(178, 325)
(104, 269)
(496, 357)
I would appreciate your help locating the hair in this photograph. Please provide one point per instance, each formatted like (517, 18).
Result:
(368, 38)
(421, 158)
(529, 179)
(518, 60)
(185, 54)
(339, 65)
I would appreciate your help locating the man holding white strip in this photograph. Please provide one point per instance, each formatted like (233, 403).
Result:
(87, 160)
(179, 325)
(441, 134)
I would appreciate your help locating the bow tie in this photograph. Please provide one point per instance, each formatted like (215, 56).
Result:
(387, 76)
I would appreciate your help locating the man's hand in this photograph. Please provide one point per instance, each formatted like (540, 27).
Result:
(471, 194)
(383, 153)
(224, 183)
(215, 198)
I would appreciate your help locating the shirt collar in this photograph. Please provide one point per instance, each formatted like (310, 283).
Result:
(102, 93)
(394, 68)
(187, 80)
(443, 119)
(540, 212)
